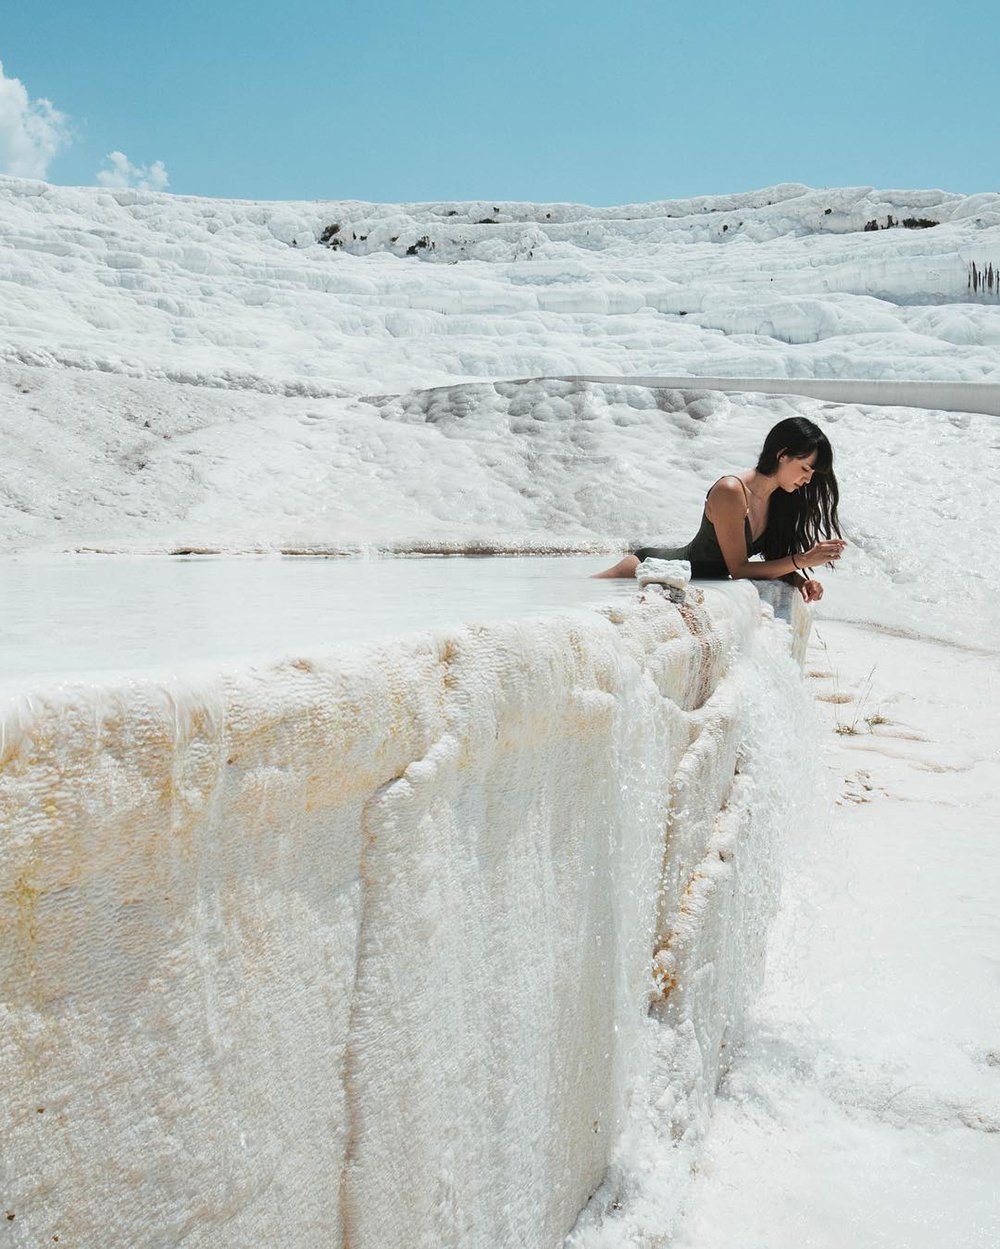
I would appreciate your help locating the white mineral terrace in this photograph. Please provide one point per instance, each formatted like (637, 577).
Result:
(382, 944)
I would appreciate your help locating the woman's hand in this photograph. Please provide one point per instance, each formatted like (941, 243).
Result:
(822, 553)
(811, 590)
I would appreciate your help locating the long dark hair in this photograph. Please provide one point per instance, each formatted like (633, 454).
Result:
(795, 522)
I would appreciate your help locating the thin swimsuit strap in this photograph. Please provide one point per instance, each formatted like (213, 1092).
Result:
(746, 493)
(751, 541)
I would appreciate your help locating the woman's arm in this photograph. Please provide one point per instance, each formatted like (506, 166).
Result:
(726, 509)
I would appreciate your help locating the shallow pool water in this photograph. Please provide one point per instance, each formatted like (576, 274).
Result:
(75, 615)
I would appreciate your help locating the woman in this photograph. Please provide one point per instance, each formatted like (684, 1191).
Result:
(784, 509)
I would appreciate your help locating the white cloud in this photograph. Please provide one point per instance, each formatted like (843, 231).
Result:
(124, 174)
(31, 131)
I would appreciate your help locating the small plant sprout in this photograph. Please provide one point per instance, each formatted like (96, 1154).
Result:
(852, 729)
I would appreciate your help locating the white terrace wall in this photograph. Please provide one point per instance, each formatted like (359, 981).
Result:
(358, 950)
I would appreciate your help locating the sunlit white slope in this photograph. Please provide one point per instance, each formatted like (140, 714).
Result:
(865, 1108)
(784, 281)
(134, 465)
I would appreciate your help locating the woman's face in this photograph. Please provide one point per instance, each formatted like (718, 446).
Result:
(795, 471)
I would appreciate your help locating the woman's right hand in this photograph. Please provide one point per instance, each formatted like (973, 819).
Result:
(822, 553)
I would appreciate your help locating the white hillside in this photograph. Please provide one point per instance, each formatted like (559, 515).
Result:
(782, 282)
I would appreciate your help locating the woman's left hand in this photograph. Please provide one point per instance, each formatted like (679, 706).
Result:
(811, 590)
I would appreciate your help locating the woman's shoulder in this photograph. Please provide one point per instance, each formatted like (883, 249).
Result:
(727, 496)
(729, 483)
(728, 487)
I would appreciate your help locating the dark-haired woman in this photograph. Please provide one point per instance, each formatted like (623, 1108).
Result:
(784, 509)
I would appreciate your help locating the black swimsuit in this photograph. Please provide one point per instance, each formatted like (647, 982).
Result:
(703, 551)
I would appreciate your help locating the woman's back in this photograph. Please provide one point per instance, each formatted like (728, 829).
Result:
(703, 551)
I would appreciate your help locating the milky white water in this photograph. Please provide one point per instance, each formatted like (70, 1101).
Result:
(67, 615)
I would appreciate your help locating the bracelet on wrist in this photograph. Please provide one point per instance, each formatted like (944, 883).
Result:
(794, 565)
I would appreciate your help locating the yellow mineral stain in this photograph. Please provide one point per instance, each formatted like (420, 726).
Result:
(686, 903)
(10, 755)
(338, 786)
(167, 788)
(447, 656)
(22, 898)
(664, 975)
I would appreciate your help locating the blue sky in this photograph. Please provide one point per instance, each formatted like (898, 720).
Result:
(580, 101)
